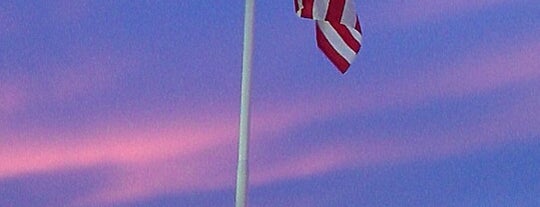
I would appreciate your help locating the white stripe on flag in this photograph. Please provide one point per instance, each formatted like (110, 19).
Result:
(336, 41)
(355, 34)
(349, 14)
(320, 9)
(335, 46)
(300, 7)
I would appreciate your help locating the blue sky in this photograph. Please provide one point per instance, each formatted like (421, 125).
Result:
(136, 103)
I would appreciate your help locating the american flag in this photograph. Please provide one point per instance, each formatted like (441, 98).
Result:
(338, 30)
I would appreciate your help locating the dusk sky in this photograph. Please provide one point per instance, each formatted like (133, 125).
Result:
(133, 103)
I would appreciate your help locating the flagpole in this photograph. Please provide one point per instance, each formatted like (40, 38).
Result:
(243, 140)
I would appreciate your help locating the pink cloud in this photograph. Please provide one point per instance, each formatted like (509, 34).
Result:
(480, 70)
(95, 73)
(325, 159)
(494, 132)
(480, 73)
(514, 64)
(214, 167)
(146, 158)
(207, 169)
(197, 152)
(203, 171)
(193, 152)
(182, 155)
(115, 143)
(210, 168)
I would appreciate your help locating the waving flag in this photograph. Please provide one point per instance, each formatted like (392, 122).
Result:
(338, 30)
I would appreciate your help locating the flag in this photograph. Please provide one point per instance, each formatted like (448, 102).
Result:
(337, 27)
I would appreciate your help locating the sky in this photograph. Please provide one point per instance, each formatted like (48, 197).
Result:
(136, 103)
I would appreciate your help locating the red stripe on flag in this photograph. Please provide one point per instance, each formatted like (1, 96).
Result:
(346, 35)
(357, 26)
(335, 10)
(296, 7)
(323, 43)
(307, 11)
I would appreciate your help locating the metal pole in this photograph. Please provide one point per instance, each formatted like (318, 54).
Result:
(243, 140)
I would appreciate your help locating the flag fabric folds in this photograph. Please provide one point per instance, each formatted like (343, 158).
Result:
(338, 31)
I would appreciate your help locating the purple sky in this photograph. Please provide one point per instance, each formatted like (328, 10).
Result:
(136, 103)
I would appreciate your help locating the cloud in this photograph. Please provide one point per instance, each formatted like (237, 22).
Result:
(179, 157)
(148, 155)
(516, 124)
(197, 172)
(144, 159)
(212, 166)
(214, 169)
(116, 143)
(90, 74)
(155, 160)
(479, 70)
(197, 152)
(513, 64)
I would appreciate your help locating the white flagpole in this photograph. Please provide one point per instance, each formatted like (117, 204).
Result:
(243, 140)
